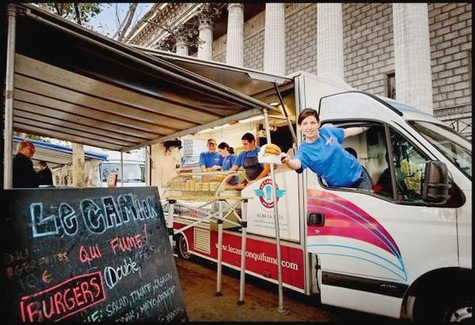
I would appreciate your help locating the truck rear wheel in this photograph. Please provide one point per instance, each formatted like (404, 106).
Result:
(182, 247)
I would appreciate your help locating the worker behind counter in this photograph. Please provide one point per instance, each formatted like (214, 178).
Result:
(210, 160)
(229, 158)
(248, 159)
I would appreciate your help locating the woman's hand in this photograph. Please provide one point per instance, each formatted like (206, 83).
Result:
(284, 158)
(292, 163)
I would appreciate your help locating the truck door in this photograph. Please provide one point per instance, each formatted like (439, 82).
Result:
(371, 245)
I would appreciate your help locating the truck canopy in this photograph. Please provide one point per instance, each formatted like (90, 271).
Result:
(66, 82)
(248, 81)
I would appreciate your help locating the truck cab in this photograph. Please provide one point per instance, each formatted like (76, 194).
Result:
(385, 250)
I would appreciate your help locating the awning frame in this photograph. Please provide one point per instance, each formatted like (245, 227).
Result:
(239, 105)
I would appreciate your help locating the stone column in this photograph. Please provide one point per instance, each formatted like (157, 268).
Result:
(274, 41)
(235, 34)
(206, 17)
(78, 165)
(330, 40)
(412, 55)
(181, 41)
(181, 47)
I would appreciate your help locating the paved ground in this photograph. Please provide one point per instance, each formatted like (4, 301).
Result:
(261, 300)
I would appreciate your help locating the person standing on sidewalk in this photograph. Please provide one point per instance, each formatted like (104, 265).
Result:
(45, 176)
(24, 174)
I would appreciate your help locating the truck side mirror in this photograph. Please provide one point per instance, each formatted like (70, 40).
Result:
(435, 187)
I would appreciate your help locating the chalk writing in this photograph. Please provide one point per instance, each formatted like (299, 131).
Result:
(114, 275)
(22, 267)
(162, 281)
(155, 301)
(125, 244)
(95, 316)
(129, 317)
(172, 315)
(65, 299)
(116, 306)
(141, 292)
(97, 219)
(87, 255)
(16, 255)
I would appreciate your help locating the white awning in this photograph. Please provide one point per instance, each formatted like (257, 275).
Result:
(73, 84)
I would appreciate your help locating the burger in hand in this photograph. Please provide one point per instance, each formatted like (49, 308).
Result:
(272, 150)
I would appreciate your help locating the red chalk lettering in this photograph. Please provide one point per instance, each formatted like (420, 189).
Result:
(64, 299)
(89, 254)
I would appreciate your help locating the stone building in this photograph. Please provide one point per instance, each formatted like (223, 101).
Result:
(418, 53)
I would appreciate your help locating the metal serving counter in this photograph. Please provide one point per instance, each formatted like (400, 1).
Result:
(205, 200)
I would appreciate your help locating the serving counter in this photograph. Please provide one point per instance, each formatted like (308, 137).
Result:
(206, 199)
(199, 197)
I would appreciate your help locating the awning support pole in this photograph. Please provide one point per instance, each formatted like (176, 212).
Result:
(276, 218)
(121, 169)
(220, 249)
(242, 278)
(9, 86)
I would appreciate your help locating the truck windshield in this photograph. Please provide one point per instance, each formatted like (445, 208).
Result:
(454, 147)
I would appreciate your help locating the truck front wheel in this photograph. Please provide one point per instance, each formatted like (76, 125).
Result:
(182, 247)
(447, 306)
(459, 313)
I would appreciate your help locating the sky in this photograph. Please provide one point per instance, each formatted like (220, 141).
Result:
(106, 22)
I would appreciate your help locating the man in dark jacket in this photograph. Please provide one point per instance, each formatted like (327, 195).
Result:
(24, 174)
(45, 176)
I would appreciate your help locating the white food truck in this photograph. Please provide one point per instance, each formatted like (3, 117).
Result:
(404, 253)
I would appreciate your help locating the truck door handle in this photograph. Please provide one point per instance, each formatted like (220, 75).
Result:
(315, 219)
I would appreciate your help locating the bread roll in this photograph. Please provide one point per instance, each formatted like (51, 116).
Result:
(272, 150)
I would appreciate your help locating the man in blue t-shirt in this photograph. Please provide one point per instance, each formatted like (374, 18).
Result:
(249, 161)
(210, 160)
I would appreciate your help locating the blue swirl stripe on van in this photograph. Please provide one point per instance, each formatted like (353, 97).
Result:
(345, 219)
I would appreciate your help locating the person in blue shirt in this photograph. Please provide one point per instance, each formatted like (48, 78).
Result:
(249, 161)
(322, 152)
(229, 157)
(210, 160)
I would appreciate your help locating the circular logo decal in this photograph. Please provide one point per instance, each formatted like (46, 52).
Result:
(266, 192)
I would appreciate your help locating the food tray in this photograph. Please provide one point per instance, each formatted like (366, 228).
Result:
(269, 159)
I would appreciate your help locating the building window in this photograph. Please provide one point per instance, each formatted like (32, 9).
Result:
(391, 85)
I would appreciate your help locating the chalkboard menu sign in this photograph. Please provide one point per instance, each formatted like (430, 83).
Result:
(88, 255)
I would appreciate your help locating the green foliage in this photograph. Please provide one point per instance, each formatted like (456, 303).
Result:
(31, 136)
(78, 12)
